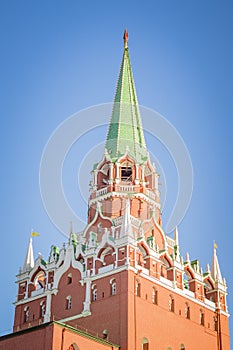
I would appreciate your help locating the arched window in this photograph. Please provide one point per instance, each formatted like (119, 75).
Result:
(186, 279)
(42, 309)
(202, 318)
(126, 172)
(69, 278)
(171, 304)
(26, 314)
(113, 286)
(94, 294)
(182, 347)
(145, 344)
(113, 289)
(164, 267)
(105, 334)
(187, 311)
(68, 302)
(154, 296)
(138, 289)
(40, 280)
(208, 286)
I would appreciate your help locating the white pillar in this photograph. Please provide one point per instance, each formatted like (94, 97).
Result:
(143, 173)
(117, 172)
(95, 177)
(137, 172)
(47, 316)
(87, 301)
(116, 262)
(111, 172)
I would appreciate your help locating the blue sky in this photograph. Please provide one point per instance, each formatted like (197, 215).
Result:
(58, 57)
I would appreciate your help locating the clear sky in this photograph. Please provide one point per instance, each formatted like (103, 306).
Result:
(58, 57)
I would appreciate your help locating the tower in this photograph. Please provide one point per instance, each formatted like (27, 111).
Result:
(123, 278)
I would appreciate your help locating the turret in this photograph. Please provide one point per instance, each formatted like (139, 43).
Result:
(215, 269)
(220, 289)
(29, 259)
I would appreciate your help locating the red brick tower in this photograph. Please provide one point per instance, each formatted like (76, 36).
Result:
(123, 277)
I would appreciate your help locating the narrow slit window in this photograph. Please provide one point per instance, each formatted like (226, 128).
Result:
(94, 295)
(154, 296)
(68, 303)
(113, 288)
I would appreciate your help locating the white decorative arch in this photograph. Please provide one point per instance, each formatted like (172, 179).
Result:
(127, 156)
(104, 160)
(69, 261)
(98, 212)
(36, 269)
(105, 242)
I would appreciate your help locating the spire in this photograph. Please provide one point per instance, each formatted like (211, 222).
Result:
(125, 129)
(208, 268)
(176, 236)
(126, 228)
(29, 260)
(215, 270)
(71, 232)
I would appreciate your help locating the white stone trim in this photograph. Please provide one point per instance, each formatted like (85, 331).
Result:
(30, 299)
(178, 291)
(47, 316)
(69, 261)
(71, 318)
(124, 194)
(87, 302)
(97, 212)
(108, 273)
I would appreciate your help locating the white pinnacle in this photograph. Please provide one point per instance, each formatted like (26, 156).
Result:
(215, 270)
(29, 260)
(126, 228)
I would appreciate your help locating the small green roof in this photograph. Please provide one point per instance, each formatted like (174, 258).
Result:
(125, 129)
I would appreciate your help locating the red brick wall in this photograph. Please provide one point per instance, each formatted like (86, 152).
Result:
(50, 337)
(109, 311)
(63, 338)
(125, 315)
(74, 289)
(34, 314)
(164, 328)
(37, 339)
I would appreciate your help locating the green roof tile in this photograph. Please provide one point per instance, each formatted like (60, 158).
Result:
(125, 129)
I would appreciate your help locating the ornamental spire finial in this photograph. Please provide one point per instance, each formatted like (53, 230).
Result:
(215, 270)
(126, 38)
(71, 232)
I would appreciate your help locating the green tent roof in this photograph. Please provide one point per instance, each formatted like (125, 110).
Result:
(125, 129)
